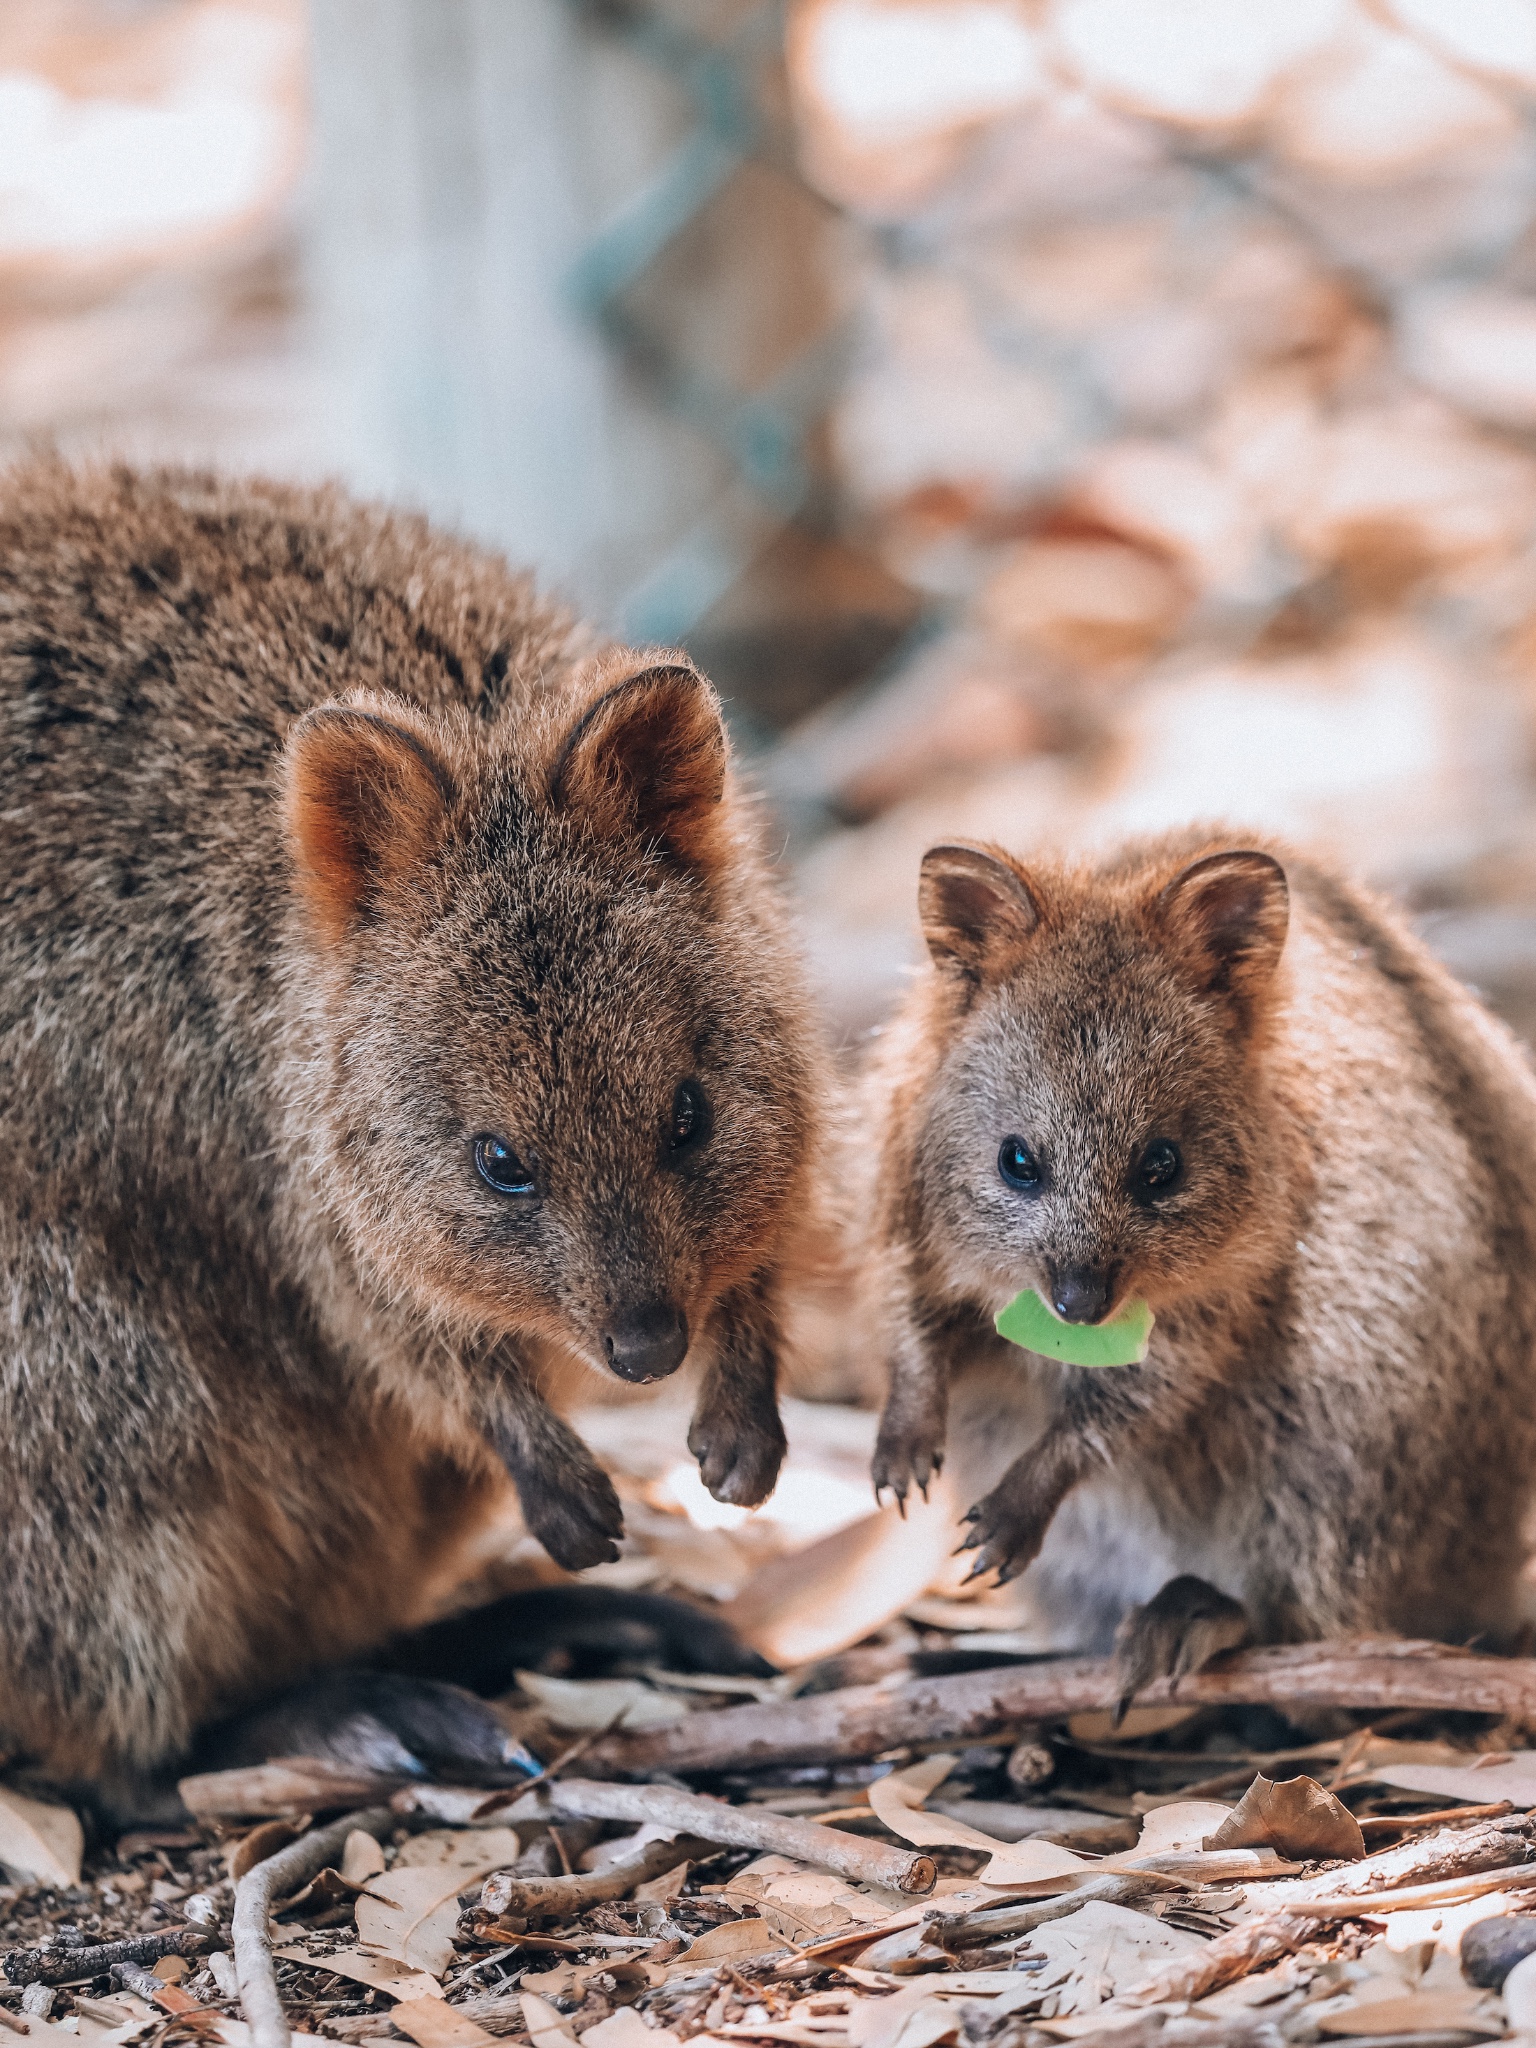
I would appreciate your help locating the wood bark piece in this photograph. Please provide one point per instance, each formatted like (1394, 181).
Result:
(78, 1965)
(287, 1785)
(860, 1721)
(537, 1898)
(737, 1827)
(274, 1879)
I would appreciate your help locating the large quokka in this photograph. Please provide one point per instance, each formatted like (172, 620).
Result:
(391, 988)
(1216, 1076)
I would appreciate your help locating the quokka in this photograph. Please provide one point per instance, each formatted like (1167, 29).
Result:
(393, 995)
(1213, 1074)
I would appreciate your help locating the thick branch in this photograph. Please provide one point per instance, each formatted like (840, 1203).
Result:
(1373, 1674)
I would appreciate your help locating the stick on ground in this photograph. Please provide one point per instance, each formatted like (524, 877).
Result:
(1376, 1674)
(537, 1898)
(734, 1827)
(279, 1876)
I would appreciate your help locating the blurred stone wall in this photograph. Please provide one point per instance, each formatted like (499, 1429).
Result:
(1194, 395)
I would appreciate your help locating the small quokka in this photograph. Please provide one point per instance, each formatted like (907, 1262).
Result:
(1209, 1073)
(393, 995)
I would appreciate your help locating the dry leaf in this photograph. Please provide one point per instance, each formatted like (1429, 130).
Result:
(908, 2019)
(258, 1845)
(1176, 1828)
(1101, 1950)
(379, 1973)
(834, 1592)
(583, 1704)
(40, 1843)
(733, 1938)
(1422, 2012)
(658, 1891)
(897, 1800)
(361, 1857)
(1138, 1722)
(546, 2027)
(1296, 1816)
(411, 1912)
(433, 2023)
(1513, 1778)
(626, 2029)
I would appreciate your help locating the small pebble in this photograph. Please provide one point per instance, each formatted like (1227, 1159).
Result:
(1490, 1949)
(201, 1910)
(37, 2001)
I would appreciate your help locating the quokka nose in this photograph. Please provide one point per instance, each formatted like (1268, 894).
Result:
(1080, 1294)
(648, 1342)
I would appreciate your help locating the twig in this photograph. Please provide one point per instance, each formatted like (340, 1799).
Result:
(277, 1877)
(735, 1827)
(506, 1896)
(568, 1755)
(1403, 1822)
(76, 1965)
(861, 1721)
(975, 1930)
(1457, 1865)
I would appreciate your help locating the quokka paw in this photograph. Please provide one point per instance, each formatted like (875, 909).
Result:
(579, 1521)
(1180, 1629)
(739, 1459)
(904, 1459)
(1006, 1532)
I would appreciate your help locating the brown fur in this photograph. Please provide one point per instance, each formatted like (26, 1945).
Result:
(1336, 1423)
(326, 847)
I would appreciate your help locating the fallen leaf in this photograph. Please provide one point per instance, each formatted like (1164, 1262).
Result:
(1472, 1784)
(834, 1592)
(1520, 1997)
(379, 1973)
(1183, 1825)
(1296, 1816)
(1138, 1722)
(897, 1800)
(40, 1843)
(433, 2023)
(244, 1854)
(733, 1938)
(361, 1857)
(546, 2027)
(583, 1704)
(658, 1891)
(626, 2029)
(1422, 2012)
(1101, 1950)
(412, 1912)
(907, 2019)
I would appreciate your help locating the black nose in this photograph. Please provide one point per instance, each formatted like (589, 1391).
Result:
(1080, 1294)
(647, 1343)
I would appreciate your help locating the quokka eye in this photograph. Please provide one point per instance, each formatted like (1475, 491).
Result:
(1159, 1167)
(690, 1117)
(1018, 1165)
(500, 1168)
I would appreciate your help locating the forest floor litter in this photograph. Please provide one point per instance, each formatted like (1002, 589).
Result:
(927, 1832)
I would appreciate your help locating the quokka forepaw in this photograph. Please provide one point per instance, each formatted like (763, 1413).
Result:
(739, 1454)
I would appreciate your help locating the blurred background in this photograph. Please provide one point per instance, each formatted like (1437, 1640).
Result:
(1044, 418)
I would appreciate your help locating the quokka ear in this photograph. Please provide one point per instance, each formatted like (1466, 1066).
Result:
(647, 759)
(978, 912)
(367, 802)
(1229, 913)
